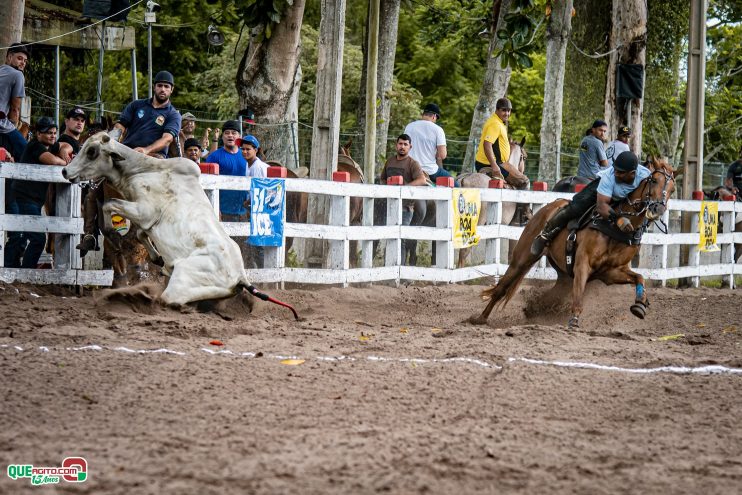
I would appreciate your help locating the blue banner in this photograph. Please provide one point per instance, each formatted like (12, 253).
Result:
(267, 202)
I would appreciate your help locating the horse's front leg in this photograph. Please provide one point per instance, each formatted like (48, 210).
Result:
(624, 275)
(581, 274)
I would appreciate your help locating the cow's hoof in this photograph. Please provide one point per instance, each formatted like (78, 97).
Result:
(639, 310)
(574, 322)
(478, 320)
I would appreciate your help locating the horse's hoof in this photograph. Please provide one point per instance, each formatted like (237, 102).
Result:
(478, 320)
(639, 310)
(574, 322)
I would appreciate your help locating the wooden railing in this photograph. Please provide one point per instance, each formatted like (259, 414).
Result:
(657, 251)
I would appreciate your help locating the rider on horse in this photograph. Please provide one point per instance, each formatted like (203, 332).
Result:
(612, 184)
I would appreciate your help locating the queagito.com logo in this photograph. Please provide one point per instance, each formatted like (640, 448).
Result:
(73, 470)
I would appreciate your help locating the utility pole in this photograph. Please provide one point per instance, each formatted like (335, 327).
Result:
(369, 150)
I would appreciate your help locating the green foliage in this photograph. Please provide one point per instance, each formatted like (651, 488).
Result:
(526, 91)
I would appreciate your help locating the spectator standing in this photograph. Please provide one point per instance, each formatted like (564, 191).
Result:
(618, 145)
(232, 203)
(250, 149)
(12, 92)
(256, 168)
(193, 150)
(150, 124)
(429, 140)
(187, 129)
(592, 152)
(28, 197)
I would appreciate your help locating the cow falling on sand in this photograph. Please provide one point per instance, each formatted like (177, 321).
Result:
(176, 222)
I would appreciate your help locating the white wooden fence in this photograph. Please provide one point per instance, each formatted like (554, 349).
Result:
(656, 250)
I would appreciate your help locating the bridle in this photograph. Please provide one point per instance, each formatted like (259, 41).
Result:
(646, 200)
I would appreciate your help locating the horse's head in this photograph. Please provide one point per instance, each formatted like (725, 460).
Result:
(657, 187)
(518, 155)
(98, 158)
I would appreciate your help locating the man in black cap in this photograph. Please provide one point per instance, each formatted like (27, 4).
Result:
(28, 197)
(428, 142)
(12, 92)
(151, 124)
(612, 184)
(69, 142)
(592, 151)
(193, 150)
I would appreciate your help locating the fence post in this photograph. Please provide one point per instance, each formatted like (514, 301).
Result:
(443, 220)
(537, 186)
(694, 255)
(339, 258)
(367, 247)
(727, 250)
(68, 205)
(393, 252)
(275, 256)
(494, 217)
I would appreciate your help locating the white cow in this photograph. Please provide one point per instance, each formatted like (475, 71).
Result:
(165, 200)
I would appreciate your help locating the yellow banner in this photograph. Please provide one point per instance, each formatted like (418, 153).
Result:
(708, 222)
(466, 206)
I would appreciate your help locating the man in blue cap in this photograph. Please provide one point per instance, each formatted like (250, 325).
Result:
(250, 148)
(612, 184)
(153, 123)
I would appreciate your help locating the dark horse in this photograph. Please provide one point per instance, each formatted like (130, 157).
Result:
(597, 256)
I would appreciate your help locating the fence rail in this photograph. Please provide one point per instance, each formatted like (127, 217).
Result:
(658, 251)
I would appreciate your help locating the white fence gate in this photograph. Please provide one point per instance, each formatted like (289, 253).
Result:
(658, 250)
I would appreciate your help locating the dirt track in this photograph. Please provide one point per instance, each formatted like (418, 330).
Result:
(229, 423)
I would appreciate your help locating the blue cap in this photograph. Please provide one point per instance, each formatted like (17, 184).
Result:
(251, 140)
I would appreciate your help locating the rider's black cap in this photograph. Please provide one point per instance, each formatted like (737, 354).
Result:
(626, 162)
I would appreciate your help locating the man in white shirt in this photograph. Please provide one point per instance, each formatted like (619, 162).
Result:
(619, 145)
(428, 142)
(250, 147)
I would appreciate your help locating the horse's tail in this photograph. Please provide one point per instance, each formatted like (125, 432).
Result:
(522, 259)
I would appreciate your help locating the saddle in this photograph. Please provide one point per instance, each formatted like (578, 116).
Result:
(590, 219)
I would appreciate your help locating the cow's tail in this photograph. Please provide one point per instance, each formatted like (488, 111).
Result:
(265, 297)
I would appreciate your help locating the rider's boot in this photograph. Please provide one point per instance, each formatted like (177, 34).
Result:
(550, 231)
(90, 215)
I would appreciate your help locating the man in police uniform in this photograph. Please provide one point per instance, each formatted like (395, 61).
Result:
(733, 182)
(151, 124)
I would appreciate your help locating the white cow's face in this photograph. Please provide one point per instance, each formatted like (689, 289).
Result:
(97, 158)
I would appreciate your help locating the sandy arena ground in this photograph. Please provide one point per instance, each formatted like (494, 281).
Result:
(204, 423)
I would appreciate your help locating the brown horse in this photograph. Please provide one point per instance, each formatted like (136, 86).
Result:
(597, 256)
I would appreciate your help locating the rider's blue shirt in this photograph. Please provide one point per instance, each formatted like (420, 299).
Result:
(619, 190)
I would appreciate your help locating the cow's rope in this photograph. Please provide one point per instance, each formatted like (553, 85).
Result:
(265, 297)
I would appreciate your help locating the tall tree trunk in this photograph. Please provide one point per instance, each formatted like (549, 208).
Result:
(628, 43)
(495, 85)
(11, 19)
(326, 126)
(268, 81)
(558, 32)
(388, 23)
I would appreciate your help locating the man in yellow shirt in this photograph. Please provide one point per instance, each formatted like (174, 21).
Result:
(494, 147)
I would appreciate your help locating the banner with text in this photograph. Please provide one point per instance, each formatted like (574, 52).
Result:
(465, 217)
(267, 203)
(708, 223)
